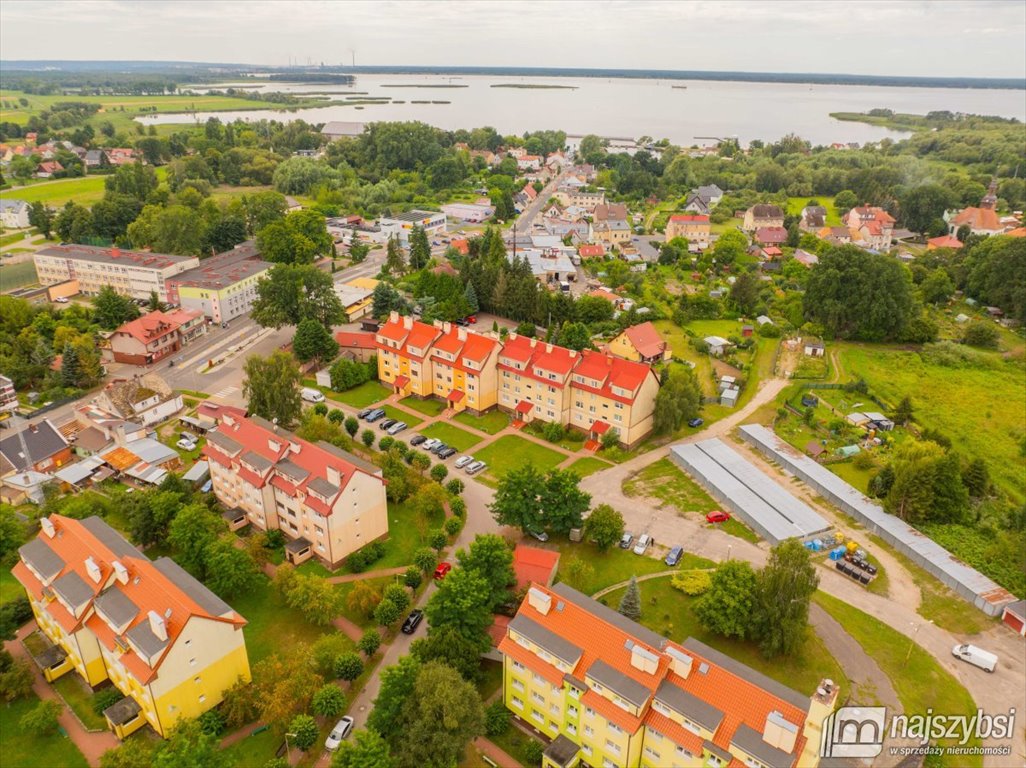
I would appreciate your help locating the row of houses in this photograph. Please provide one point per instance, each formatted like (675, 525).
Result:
(590, 391)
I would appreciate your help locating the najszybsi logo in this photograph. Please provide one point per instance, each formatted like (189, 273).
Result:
(853, 732)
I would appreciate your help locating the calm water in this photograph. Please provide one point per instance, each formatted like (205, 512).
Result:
(630, 108)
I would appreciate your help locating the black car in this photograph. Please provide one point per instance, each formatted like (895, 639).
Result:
(415, 617)
(446, 452)
(386, 424)
(374, 415)
(363, 414)
(696, 423)
(417, 439)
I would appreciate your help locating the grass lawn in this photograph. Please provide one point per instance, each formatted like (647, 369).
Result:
(22, 750)
(10, 588)
(665, 481)
(671, 613)
(609, 567)
(511, 451)
(589, 465)
(458, 438)
(254, 750)
(360, 397)
(920, 682)
(365, 622)
(515, 742)
(833, 217)
(273, 626)
(427, 407)
(80, 698)
(85, 190)
(17, 275)
(491, 678)
(492, 422)
(678, 341)
(391, 412)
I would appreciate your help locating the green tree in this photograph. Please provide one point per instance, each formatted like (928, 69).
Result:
(921, 206)
(271, 387)
(386, 299)
(425, 559)
(630, 603)
(744, 294)
(367, 749)
(369, 642)
(502, 202)
(41, 720)
(784, 587)
(420, 248)
(132, 753)
(188, 746)
(496, 719)
(230, 571)
(927, 484)
(298, 238)
(470, 295)
(367, 437)
(904, 411)
(463, 601)
(439, 472)
(352, 425)
(726, 608)
(348, 666)
(387, 613)
(397, 594)
(305, 729)
(313, 341)
(604, 526)
(397, 683)
(395, 264)
(16, 678)
(845, 200)
(981, 334)
(42, 218)
(192, 532)
(290, 294)
(574, 336)
(562, 500)
(976, 478)
(517, 500)
(677, 401)
(491, 558)
(443, 714)
(111, 309)
(450, 647)
(996, 274)
(937, 287)
(731, 246)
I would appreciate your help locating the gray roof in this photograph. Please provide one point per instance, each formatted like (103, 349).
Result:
(692, 707)
(709, 191)
(720, 752)
(356, 461)
(116, 606)
(221, 440)
(767, 211)
(233, 514)
(610, 616)
(414, 216)
(618, 682)
(129, 259)
(15, 204)
(298, 546)
(43, 560)
(342, 128)
(199, 471)
(1018, 608)
(256, 461)
(561, 750)
(202, 596)
(73, 589)
(749, 740)
(122, 711)
(745, 672)
(142, 636)
(321, 486)
(562, 649)
(110, 538)
(292, 469)
(33, 444)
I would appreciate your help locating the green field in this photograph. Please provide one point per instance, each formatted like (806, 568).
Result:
(458, 438)
(492, 422)
(22, 750)
(86, 190)
(589, 465)
(273, 626)
(366, 394)
(512, 451)
(17, 275)
(833, 217)
(671, 613)
(427, 407)
(981, 409)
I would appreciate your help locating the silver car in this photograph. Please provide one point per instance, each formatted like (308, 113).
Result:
(338, 733)
(396, 428)
(430, 443)
(475, 467)
(463, 461)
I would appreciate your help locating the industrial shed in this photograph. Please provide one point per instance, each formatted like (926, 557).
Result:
(754, 498)
(969, 583)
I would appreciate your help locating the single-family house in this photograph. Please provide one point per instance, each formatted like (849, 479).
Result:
(96, 158)
(356, 345)
(762, 215)
(610, 232)
(718, 345)
(771, 235)
(814, 348)
(837, 235)
(48, 168)
(805, 258)
(14, 214)
(146, 399)
(155, 335)
(642, 343)
(39, 447)
(591, 251)
(813, 218)
(25, 487)
(944, 241)
(879, 421)
(695, 228)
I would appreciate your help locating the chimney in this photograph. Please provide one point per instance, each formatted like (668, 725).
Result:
(157, 625)
(461, 333)
(120, 572)
(334, 477)
(540, 601)
(393, 316)
(47, 527)
(274, 445)
(680, 662)
(548, 348)
(442, 326)
(93, 569)
(408, 322)
(228, 419)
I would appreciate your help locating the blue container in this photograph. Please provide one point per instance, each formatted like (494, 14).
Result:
(837, 553)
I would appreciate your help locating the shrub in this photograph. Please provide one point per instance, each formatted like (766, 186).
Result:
(533, 752)
(455, 486)
(105, 698)
(326, 650)
(336, 416)
(320, 409)
(352, 425)
(458, 507)
(981, 334)
(496, 719)
(439, 472)
(371, 640)
(367, 437)
(212, 722)
(553, 432)
(387, 613)
(349, 666)
(438, 540)
(361, 559)
(386, 442)
(692, 583)
(413, 577)
(274, 539)
(16, 681)
(12, 615)
(329, 701)
(347, 374)
(41, 720)
(305, 729)
(425, 559)
(611, 438)
(863, 461)
(396, 594)
(453, 525)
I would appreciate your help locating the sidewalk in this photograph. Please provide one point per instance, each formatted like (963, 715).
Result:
(499, 756)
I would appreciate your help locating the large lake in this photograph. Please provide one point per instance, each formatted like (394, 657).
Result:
(630, 108)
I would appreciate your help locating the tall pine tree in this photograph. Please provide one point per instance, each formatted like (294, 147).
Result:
(71, 368)
(394, 262)
(420, 249)
(630, 603)
(471, 296)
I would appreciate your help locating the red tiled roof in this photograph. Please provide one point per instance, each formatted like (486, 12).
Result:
(611, 371)
(419, 335)
(646, 340)
(498, 629)
(691, 218)
(530, 191)
(945, 241)
(590, 251)
(531, 564)
(463, 246)
(1017, 232)
(599, 427)
(401, 381)
(157, 324)
(355, 340)
(524, 407)
(985, 219)
(771, 234)
(455, 396)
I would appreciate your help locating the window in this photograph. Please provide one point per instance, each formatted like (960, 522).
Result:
(753, 763)
(586, 749)
(615, 727)
(607, 763)
(517, 685)
(196, 680)
(661, 708)
(589, 731)
(588, 710)
(517, 702)
(554, 709)
(538, 716)
(518, 665)
(537, 697)
(202, 698)
(571, 729)
(612, 745)
(192, 662)
(572, 711)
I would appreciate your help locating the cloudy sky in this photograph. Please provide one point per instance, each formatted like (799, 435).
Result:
(981, 38)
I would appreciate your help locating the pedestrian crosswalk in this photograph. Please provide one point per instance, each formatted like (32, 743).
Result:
(226, 392)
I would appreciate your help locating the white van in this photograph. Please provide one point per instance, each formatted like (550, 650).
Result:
(976, 656)
(312, 395)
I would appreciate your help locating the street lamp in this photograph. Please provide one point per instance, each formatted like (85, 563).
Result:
(288, 752)
(912, 642)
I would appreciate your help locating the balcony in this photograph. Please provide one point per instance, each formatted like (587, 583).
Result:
(51, 659)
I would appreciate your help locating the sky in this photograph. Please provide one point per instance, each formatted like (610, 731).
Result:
(975, 38)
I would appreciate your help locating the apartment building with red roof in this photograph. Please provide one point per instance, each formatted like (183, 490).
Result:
(463, 371)
(403, 347)
(605, 691)
(106, 611)
(534, 379)
(155, 335)
(608, 392)
(326, 501)
(695, 228)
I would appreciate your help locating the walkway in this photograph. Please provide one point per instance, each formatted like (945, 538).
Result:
(92, 745)
(348, 577)
(494, 753)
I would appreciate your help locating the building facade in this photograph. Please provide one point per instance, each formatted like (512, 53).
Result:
(131, 273)
(222, 287)
(762, 215)
(165, 641)
(328, 502)
(608, 693)
(401, 225)
(8, 397)
(155, 335)
(695, 228)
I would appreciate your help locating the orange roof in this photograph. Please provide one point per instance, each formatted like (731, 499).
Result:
(591, 251)
(121, 459)
(472, 346)
(689, 218)
(602, 293)
(531, 564)
(463, 246)
(157, 324)
(1017, 232)
(983, 219)
(418, 334)
(945, 241)
(611, 371)
(355, 340)
(646, 340)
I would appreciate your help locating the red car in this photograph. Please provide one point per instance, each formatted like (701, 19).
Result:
(717, 517)
(441, 570)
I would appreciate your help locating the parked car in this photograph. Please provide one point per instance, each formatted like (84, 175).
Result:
(436, 449)
(398, 427)
(417, 439)
(442, 570)
(387, 423)
(374, 415)
(975, 656)
(61, 300)
(674, 557)
(717, 516)
(475, 466)
(471, 319)
(186, 445)
(626, 540)
(430, 443)
(463, 461)
(338, 734)
(462, 322)
(312, 395)
(415, 617)
(540, 535)
(641, 546)
(188, 436)
(696, 422)
(363, 414)
(447, 452)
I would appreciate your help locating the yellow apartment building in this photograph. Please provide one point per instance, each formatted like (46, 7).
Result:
(403, 348)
